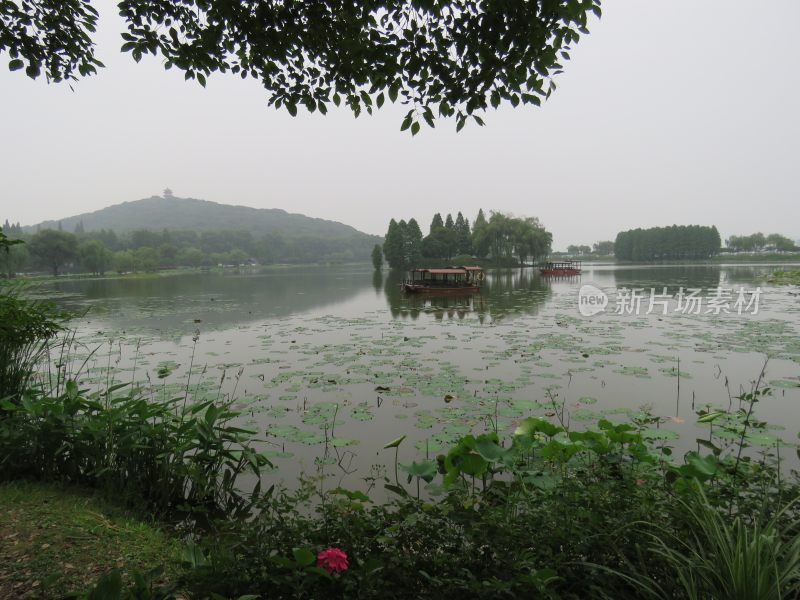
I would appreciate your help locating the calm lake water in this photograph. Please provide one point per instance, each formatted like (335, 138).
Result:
(330, 364)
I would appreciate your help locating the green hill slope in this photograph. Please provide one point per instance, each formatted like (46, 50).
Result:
(169, 225)
(188, 214)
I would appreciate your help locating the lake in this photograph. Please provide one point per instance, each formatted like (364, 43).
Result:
(330, 364)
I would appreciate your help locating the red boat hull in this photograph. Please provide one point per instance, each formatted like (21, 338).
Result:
(427, 289)
(561, 272)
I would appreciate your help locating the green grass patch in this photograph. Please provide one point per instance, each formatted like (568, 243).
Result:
(55, 540)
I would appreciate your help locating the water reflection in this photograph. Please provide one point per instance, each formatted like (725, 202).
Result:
(504, 292)
(306, 337)
(176, 303)
(450, 305)
(217, 300)
(377, 282)
(705, 277)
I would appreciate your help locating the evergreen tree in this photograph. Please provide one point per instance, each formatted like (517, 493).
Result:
(394, 246)
(435, 244)
(413, 243)
(480, 239)
(450, 237)
(441, 242)
(436, 223)
(463, 235)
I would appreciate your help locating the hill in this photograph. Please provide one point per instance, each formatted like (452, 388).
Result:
(189, 214)
(169, 231)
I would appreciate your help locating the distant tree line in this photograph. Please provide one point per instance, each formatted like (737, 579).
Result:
(667, 243)
(102, 251)
(758, 241)
(598, 248)
(502, 238)
(577, 250)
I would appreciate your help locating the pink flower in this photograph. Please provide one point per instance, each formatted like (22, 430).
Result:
(332, 560)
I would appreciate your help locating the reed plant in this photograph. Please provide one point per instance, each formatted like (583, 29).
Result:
(175, 458)
(27, 328)
(708, 554)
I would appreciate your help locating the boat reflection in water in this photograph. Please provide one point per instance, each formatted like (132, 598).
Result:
(448, 305)
(503, 293)
(566, 268)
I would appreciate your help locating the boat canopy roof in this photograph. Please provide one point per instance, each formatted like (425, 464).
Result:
(448, 270)
(567, 262)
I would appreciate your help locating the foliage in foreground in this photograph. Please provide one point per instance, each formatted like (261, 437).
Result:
(719, 556)
(546, 512)
(454, 58)
(549, 511)
(558, 513)
(173, 458)
(26, 328)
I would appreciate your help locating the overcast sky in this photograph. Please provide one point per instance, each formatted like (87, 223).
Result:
(671, 111)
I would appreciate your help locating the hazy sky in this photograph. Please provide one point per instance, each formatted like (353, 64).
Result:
(671, 111)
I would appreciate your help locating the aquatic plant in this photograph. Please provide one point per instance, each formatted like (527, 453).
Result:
(785, 277)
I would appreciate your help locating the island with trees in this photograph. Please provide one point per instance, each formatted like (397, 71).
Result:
(500, 240)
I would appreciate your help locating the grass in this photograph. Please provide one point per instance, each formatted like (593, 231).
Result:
(55, 540)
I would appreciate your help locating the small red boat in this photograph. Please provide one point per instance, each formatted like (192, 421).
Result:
(446, 280)
(566, 268)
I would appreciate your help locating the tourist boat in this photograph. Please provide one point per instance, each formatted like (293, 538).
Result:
(563, 268)
(446, 280)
